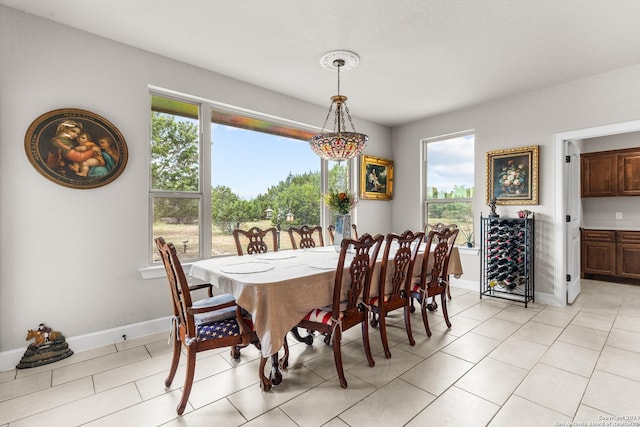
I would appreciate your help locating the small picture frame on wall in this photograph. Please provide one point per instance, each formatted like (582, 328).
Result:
(376, 178)
(76, 148)
(512, 176)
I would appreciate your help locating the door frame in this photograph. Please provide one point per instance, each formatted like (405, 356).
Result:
(560, 270)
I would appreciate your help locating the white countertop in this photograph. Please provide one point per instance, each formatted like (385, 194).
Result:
(613, 227)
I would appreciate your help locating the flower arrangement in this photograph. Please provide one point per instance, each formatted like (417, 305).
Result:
(524, 213)
(340, 202)
(513, 178)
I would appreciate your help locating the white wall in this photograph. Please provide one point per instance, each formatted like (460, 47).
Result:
(528, 119)
(70, 258)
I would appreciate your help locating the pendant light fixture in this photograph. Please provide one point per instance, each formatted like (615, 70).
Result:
(339, 145)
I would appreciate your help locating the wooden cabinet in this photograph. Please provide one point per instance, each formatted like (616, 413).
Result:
(628, 254)
(613, 254)
(599, 174)
(610, 173)
(629, 174)
(598, 255)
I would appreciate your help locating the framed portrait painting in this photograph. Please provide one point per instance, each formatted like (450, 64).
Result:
(512, 176)
(376, 178)
(76, 148)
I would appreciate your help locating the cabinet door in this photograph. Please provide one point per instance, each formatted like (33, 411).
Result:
(629, 174)
(599, 175)
(598, 258)
(628, 258)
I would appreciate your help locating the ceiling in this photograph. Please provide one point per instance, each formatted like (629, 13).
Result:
(418, 58)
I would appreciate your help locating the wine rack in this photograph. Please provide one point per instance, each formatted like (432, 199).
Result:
(507, 258)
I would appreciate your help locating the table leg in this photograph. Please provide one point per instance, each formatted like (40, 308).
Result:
(275, 376)
(265, 383)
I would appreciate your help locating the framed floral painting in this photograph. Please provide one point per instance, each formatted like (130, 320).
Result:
(76, 148)
(376, 178)
(512, 176)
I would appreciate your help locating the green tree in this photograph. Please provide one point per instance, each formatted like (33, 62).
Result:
(228, 211)
(174, 165)
(174, 153)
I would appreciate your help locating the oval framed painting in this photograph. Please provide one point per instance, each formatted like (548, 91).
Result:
(76, 148)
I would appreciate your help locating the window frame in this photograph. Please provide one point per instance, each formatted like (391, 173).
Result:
(425, 184)
(206, 108)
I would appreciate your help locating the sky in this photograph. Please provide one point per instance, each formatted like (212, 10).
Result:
(451, 162)
(268, 159)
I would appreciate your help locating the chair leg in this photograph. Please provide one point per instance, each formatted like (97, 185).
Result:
(284, 362)
(423, 309)
(444, 310)
(383, 336)
(177, 347)
(374, 320)
(407, 324)
(337, 357)
(365, 341)
(188, 379)
(448, 290)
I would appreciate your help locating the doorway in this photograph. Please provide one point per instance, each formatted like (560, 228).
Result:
(565, 198)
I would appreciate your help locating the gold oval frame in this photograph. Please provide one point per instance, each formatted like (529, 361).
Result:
(52, 155)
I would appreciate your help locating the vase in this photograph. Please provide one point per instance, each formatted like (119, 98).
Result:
(343, 229)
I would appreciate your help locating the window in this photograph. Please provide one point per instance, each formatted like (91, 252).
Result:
(254, 172)
(449, 184)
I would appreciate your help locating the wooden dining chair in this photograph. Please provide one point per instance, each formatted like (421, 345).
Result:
(394, 283)
(351, 287)
(451, 242)
(354, 229)
(255, 240)
(200, 325)
(434, 280)
(306, 237)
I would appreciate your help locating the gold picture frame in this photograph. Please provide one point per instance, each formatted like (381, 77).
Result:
(376, 178)
(76, 148)
(512, 176)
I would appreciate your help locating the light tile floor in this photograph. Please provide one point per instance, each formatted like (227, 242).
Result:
(499, 365)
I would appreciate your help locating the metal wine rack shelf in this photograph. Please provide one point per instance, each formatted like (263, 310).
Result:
(507, 258)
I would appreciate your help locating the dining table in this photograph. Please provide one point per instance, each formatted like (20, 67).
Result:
(279, 288)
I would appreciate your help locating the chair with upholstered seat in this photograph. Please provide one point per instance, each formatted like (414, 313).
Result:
(306, 237)
(396, 274)
(347, 309)
(200, 325)
(434, 279)
(255, 240)
(451, 241)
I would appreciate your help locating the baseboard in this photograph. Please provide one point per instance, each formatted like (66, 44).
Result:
(470, 285)
(9, 359)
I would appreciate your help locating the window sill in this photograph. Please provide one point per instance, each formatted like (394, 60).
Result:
(152, 272)
(158, 271)
(464, 250)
